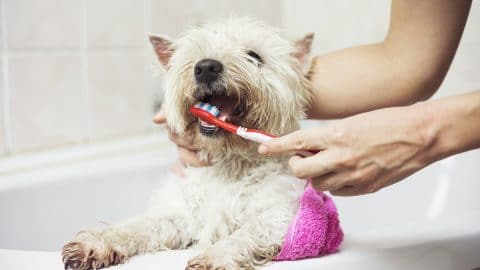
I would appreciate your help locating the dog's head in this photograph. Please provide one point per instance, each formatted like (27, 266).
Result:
(255, 77)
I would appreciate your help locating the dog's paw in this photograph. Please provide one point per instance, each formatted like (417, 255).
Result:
(205, 262)
(82, 256)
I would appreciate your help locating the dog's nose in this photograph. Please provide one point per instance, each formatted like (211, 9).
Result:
(207, 70)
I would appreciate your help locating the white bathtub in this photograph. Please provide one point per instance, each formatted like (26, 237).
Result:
(429, 221)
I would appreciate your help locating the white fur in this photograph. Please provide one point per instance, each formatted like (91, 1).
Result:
(280, 87)
(238, 210)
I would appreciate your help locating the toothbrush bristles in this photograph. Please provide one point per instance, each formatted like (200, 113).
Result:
(208, 108)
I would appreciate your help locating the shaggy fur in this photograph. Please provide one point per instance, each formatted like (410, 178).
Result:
(238, 210)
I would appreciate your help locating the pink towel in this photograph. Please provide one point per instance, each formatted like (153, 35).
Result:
(315, 230)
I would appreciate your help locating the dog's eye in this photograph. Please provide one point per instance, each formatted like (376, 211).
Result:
(255, 56)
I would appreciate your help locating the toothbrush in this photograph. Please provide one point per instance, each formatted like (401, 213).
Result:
(209, 114)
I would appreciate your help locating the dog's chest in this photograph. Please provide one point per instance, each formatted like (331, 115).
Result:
(210, 198)
(217, 206)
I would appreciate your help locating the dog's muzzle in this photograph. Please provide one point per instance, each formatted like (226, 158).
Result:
(212, 89)
(207, 71)
(229, 109)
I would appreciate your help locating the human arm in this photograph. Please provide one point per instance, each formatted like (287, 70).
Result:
(408, 66)
(369, 151)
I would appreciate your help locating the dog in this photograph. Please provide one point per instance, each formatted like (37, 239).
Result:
(238, 210)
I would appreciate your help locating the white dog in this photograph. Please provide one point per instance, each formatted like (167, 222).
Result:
(238, 210)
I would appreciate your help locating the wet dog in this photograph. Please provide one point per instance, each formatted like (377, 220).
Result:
(237, 211)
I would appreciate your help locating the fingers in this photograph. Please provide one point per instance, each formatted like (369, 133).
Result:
(187, 155)
(160, 117)
(349, 191)
(185, 141)
(305, 139)
(330, 181)
(348, 182)
(190, 158)
(185, 159)
(313, 166)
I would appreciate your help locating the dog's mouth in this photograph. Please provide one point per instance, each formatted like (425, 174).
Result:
(230, 109)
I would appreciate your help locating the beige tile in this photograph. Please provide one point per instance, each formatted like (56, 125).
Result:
(337, 24)
(120, 95)
(463, 74)
(1, 23)
(268, 11)
(46, 101)
(2, 108)
(172, 17)
(43, 24)
(113, 23)
(470, 34)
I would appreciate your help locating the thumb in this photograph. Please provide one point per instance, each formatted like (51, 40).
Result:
(160, 117)
(304, 139)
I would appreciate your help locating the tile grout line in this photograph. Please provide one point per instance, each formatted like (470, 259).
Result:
(86, 137)
(148, 29)
(6, 91)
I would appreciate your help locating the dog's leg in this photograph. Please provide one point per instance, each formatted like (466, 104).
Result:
(255, 243)
(115, 244)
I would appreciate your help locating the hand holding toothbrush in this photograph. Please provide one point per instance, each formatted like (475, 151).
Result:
(187, 153)
(369, 151)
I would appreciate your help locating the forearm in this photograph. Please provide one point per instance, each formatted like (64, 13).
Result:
(355, 80)
(408, 66)
(452, 123)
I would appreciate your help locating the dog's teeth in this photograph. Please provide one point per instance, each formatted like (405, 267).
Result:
(207, 125)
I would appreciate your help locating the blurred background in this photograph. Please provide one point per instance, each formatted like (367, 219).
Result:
(74, 72)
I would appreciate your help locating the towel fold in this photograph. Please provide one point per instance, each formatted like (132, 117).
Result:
(315, 229)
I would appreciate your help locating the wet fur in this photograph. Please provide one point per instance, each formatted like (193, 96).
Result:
(237, 211)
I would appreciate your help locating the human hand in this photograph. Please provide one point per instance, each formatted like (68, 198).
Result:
(359, 154)
(187, 153)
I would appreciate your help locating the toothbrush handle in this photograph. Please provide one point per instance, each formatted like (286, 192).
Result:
(246, 133)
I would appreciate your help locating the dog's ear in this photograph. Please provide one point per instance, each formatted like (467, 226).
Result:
(302, 51)
(163, 47)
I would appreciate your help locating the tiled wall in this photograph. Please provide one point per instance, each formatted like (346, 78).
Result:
(76, 71)
(463, 75)
(337, 24)
(344, 23)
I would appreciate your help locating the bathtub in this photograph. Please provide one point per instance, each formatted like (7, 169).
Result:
(429, 221)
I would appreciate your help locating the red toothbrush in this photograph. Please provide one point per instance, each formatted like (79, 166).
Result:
(209, 113)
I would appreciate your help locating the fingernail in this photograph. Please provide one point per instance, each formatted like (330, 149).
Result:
(262, 149)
